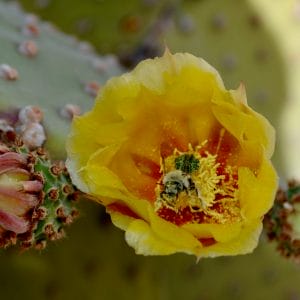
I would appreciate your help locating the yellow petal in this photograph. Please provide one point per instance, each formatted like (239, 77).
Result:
(81, 140)
(177, 236)
(119, 96)
(104, 155)
(73, 167)
(244, 243)
(141, 237)
(193, 85)
(101, 156)
(103, 177)
(220, 232)
(251, 126)
(134, 177)
(104, 183)
(239, 95)
(202, 123)
(89, 142)
(257, 192)
(250, 155)
(151, 73)
(120, 220)
(104, 124)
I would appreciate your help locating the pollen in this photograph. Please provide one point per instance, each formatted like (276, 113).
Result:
(194, 186)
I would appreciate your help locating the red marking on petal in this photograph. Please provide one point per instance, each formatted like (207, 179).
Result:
(167, 148)
(122, 209)
(182, 216)
(147, 192)
(207, 241)
(224, 145)
(13, 223)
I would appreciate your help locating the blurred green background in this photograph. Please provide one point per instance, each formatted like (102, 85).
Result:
(254, 41)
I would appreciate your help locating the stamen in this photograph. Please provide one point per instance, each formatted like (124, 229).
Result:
(194, 186)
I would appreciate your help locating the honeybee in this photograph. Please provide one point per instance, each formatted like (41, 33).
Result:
(176, 182)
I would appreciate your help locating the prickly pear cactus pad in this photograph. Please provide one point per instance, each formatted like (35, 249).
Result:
(40, 66)
(111, 25)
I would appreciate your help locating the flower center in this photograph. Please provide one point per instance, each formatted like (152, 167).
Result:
(196, 187)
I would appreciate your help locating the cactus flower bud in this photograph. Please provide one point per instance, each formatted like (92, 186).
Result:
(282, 223)
(18, 192)
(36, 196)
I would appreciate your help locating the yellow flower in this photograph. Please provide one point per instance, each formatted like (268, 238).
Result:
(181, 164)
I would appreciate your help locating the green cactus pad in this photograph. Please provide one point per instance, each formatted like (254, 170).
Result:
(111, 25)
(57, 75)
